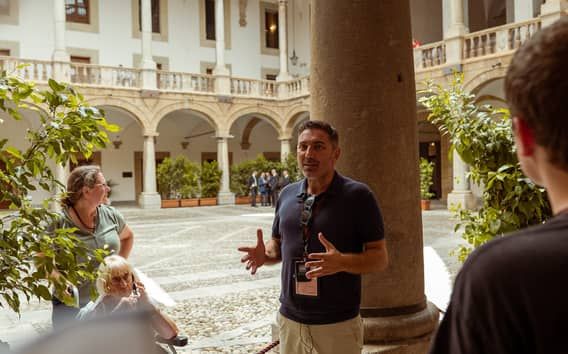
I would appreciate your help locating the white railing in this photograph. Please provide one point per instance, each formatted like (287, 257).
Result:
(185, 82)
(254, 88)
(430, 55)
(35, 70)
(109, 76)
(298, 87)
(499, 39)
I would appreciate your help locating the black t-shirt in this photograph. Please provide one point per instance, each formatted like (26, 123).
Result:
(511, 296)
(348, 216)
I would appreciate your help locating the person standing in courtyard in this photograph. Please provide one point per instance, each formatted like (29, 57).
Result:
(327, 231)
(274, 187)
(98, 226)
(253, 188)
(509, 297)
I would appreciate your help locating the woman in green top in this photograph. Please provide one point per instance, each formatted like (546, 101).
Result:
(98, 224)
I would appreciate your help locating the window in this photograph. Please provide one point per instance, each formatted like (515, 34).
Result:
(77, 11)
(80, 59)
(210, 19)
(270, 77)
(209, 71)
(4, 52)
(271, 28)
(155, 6)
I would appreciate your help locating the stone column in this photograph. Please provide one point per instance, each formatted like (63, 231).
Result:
(284, 148)
(552, 10)
(283, 40)
(379, 141)
(461, 195)
(149, 198)
(225, 195)
(147, 62)
(61, 68)
(60, 174)
(457, 29)
(222, 80)
(523, 10)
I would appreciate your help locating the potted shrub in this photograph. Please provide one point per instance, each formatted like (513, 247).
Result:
(426, 173)
(190, 185)
(240, 174)
(169, 176)
(210, 179)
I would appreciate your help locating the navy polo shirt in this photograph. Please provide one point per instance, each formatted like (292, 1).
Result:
(348, 215)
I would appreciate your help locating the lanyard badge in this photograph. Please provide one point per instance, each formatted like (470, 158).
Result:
(303, 285)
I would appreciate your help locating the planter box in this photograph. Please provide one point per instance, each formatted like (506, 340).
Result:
(4, 204)
(170, 203)
(191, 202)
(208, 201)
(246, 200)
(425, 204)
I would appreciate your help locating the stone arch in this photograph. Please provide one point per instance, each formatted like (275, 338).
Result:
(137, 114)
(205, 111)
(245, 140)
(477, 82)
(293, 116)
(265, 113)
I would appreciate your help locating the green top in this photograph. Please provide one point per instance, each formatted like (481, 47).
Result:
(109, 225)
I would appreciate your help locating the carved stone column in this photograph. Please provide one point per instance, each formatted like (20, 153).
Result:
(61, 68)
(375, 114)
(461, 195)
(225, 195)
(149, 198)
(222, 79)
(283, 40)
(284, 148)
(455, 32)
(552, 10)
(147, 62)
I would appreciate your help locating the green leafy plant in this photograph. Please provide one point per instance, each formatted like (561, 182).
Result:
(241, 172)
(482, 136)
(67, 126)
(426, 173)
(210, 179)
(177, 178)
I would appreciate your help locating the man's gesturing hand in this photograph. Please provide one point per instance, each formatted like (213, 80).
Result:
(255, 256)
(327, 263)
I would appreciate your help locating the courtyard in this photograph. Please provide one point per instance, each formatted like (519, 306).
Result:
(191, 253)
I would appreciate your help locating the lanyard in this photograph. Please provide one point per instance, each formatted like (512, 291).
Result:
(305, 221)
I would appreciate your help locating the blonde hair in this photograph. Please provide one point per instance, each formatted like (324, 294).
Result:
(82, 176)
(111, 266)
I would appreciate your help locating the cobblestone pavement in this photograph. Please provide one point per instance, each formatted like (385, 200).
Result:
(192, 253)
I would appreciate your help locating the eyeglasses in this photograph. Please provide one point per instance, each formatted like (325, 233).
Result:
(306, 215)
(105, 185)
(117, 279)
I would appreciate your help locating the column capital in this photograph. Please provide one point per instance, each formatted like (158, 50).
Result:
(284, 137)
(224, 136)
(151, 133)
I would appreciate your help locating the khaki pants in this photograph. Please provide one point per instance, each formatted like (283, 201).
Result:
(342, 338)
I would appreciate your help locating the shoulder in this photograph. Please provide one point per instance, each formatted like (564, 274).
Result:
(353, 188)
(108, 210)
(515, 255)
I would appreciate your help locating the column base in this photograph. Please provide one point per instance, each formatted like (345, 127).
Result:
(149, 201)
(149, 79)
(226, 198)
(223, 85)
(461, 200)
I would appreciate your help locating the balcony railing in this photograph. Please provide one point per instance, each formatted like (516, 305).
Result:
(477, 45)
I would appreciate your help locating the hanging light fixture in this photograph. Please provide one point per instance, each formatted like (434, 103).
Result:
(294, 58)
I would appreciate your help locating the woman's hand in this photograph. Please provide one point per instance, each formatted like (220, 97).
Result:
(127, 303)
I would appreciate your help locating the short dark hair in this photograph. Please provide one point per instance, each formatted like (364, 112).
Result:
(536, 87)
(321, 125)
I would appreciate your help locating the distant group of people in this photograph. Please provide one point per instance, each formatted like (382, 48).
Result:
(328, 230)
(268, 185)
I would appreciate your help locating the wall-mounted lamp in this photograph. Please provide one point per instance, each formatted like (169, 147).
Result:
(294, 58)
(117, 143)
(184, 144)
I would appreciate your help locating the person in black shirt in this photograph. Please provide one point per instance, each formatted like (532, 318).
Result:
(510, 296)
(327, 231)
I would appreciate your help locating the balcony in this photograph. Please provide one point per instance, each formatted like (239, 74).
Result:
(477, 46)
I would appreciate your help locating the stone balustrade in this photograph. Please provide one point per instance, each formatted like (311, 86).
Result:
(499, 39)
(503, 39)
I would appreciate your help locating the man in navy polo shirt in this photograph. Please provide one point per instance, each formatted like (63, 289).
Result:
(327, 231)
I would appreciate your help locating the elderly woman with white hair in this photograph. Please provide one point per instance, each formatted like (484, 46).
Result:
(120, 290)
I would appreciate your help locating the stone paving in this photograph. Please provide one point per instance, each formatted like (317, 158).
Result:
(191, 253)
